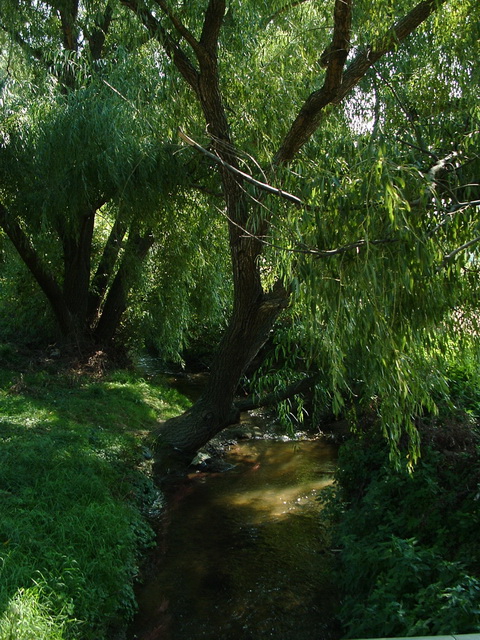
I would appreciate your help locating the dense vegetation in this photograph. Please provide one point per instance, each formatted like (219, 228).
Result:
(75, 492)
(284, 193)
(408, 542)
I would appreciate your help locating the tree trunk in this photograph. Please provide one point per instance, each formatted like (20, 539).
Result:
(77, 251)
(247, 332)
(116, 300)
(105, 270)
(45, 279)
(254, 311)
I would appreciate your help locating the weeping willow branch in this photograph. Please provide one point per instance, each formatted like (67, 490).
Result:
(456, 251)
(315, 253)
(282, 10)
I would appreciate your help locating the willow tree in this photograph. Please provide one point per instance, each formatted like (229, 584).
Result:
(86, 189)
(335, 142)
(344, 177)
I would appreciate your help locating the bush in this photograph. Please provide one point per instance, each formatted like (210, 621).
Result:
(410, 561)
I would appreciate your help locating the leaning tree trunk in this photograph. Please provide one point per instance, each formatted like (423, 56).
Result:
(249, 328)
(254, 310)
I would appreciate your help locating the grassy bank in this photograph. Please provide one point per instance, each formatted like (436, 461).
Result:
(74, 488)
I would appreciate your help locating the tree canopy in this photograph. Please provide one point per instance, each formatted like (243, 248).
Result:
(331, 149)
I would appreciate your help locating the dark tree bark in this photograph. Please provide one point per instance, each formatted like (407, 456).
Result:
(116, 300)
(45, 279)
(247, 332)
(77, 250)
(77, 307)
(105, 270)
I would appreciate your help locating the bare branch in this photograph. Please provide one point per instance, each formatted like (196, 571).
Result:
(304, 250)
(460, 206)
(244, 176)
(414, 146)
(410, 113)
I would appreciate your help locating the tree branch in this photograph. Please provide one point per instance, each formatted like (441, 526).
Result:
(270, 399)
(244, 176)
(68, 16)
(456, 251)
(172, 49)
(116, 300)
(96, 40)
(186, 34)
(314, 108)
(212, 24)
(37, 268)
(335, 55)
(366, 58)
(105, 269)
(36, 53)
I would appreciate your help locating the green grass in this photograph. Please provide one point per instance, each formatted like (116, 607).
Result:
(72, 490)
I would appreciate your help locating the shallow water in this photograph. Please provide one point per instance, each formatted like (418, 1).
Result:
(241, 553)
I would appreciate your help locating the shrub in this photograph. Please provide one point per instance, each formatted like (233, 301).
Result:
(409, 554)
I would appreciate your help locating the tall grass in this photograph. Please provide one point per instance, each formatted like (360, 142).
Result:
(72, 489)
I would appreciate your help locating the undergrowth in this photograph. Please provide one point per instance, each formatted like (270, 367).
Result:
(73, 490)
(409, 554)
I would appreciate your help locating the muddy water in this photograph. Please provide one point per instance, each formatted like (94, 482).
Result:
(241, 553)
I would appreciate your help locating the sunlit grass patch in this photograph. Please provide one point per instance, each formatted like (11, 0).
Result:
(28, 618)
(71, 496)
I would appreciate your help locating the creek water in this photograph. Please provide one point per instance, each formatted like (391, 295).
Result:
(241, 554)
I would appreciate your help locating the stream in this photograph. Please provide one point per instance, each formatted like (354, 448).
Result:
(241, 554)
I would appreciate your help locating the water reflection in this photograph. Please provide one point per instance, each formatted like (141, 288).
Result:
(240, 553)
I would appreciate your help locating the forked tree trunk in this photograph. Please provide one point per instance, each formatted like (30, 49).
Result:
(116, 300)
(254, 311)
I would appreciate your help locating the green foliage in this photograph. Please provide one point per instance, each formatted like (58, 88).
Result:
(184, 295)
(463, 380)
(25, 317)
(409, 557)
(72, 497)
(28, 618)
(386, 229)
